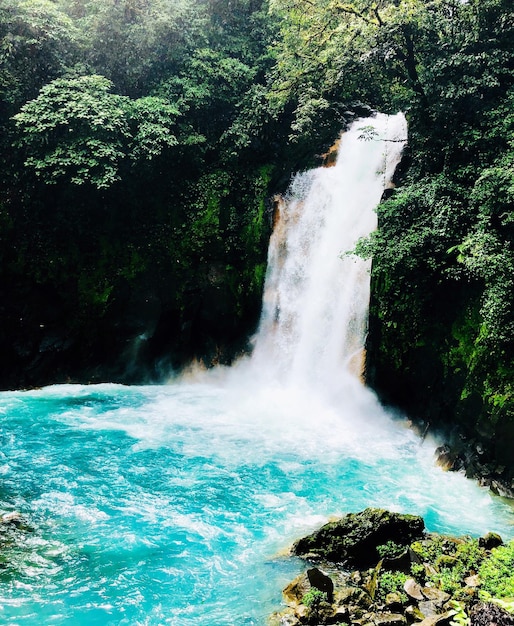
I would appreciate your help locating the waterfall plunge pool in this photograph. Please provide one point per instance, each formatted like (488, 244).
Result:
(174, 504)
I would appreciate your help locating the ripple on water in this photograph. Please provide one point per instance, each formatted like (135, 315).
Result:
(154, 506)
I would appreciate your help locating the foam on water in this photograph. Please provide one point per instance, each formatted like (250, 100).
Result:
(169, 505)
(172, 504)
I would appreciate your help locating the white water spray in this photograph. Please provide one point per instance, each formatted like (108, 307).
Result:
(316, 297)
(176, 497)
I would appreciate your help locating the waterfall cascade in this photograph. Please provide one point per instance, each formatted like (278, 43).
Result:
(168, 504)
(316, 296)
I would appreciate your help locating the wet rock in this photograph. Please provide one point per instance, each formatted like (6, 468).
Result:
(341, 615)
(296, 589)
(302, 584)
(394, 602)
(371, 582)
(428, 608)
(13, 519)
(12, 526)
(445, 457)
(413, 614)
(489, 614)
(321, 581)
(446, 561)
(400, 563)
(352, 596)
(472, 581)
(354, 539)
(490, 541)
(389, 619)
(286, 618)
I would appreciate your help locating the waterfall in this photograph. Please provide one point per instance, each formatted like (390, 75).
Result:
(171, 503)
(315, 304)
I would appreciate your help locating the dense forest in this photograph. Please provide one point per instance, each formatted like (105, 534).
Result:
(142, 142)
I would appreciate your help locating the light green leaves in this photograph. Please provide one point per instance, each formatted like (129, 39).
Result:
(77, 130)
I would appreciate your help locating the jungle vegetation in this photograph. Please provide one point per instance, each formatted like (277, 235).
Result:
(141, 141)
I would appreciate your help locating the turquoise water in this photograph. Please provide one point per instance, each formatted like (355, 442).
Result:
(173, 504)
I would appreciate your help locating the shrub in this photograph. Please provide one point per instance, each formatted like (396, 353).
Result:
(390, 550)
(314, 598)
(391, 582)
(497, 573)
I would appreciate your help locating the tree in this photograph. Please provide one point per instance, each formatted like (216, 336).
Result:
(138, 43)
(77, 130)
(37, 42)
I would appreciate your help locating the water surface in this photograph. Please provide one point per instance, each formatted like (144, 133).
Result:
(174, 504)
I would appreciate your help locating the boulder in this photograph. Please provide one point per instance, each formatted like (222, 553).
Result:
(12, 519)
(312, 578)
(353, 539)
(413, 614)
(296, 589)
(413, 589)
(441, 619)
(490, 541)
(321, 581)
(429, 608)
(394, 602)
(437, 596)
(389, 619)
(352, 596)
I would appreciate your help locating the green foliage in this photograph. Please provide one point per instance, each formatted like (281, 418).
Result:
(153, 119)
(497, 573)
(460, 618)
(453, 560)
(313, 598)
(137, 43)
(390, 582)
(211, 81)
(390, 550)
(77, 130)
(418, 572)
(317, 603)
(37, 43)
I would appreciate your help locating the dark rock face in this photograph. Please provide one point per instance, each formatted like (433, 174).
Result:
(321, 581)
(354, 539)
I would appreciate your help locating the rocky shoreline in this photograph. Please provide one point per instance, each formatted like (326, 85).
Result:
(471, 457)
(378, 568)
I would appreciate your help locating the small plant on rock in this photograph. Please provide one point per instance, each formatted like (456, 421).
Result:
(497, 573)
(390, 550)
(317, 603)
(452, 570)
(391, 582)
(461, 618)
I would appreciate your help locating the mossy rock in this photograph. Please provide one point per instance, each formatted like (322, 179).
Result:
(354, 539)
